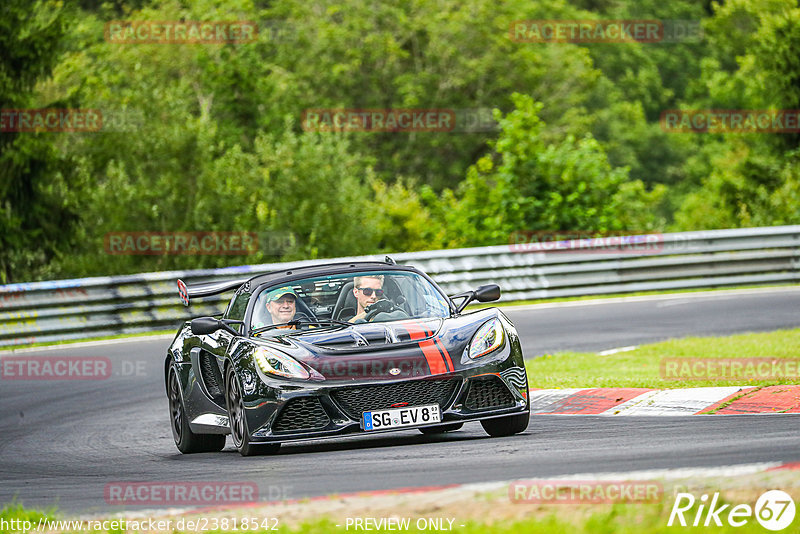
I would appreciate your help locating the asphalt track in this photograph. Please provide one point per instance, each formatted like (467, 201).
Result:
(62, 442)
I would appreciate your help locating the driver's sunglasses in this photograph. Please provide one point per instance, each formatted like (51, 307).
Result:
(368, 291)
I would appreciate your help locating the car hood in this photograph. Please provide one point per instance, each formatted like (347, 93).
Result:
(382, 351)
(368, 351)
(366, 336)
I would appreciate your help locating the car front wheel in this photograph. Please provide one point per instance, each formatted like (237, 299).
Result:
(506, 426)
(238, 421)
(187, 441)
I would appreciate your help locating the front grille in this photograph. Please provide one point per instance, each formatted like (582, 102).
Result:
(356, 400)
(211, 375)
(305, 413)
(488, 392)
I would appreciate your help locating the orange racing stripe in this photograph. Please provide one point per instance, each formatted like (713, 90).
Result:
(436, 362)
(434, 357)
(445, 355)
(416, 330)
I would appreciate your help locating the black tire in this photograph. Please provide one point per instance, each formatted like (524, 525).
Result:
(441, 429)
(506, 426)
(187, 441)
(239, 431)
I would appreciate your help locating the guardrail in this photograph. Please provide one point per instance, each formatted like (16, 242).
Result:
(88, 307)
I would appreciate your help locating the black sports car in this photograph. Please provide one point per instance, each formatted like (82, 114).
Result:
(342, 349)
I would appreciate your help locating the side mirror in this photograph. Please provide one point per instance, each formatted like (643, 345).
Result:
(485, 293)
(208, 325)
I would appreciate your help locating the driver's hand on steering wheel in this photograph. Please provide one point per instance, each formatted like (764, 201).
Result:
(384, 305)
(367, 314)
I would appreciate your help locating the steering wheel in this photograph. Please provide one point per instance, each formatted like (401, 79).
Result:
(381, 306)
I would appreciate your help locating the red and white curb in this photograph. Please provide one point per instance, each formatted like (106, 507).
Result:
(730, 400)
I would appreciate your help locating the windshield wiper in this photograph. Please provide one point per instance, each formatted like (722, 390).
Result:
(299, 322)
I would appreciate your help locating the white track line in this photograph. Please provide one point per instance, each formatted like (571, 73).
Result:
(620, 349)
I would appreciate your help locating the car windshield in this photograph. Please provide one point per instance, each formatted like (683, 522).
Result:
(355, 298)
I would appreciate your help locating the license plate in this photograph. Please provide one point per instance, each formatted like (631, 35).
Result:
(399, 417)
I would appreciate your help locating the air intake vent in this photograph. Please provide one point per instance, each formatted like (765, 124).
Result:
(211, 375)
(488, 392)
(304, 413)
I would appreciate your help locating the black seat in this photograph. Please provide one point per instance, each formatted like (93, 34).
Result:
(346, 304)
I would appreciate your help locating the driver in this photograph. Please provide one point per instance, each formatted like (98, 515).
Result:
(281, 304)
(367, 290)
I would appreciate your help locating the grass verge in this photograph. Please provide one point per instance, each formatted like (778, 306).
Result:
(13, 514)
(644, 367)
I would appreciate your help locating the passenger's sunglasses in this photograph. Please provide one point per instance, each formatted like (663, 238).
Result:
(368, 291)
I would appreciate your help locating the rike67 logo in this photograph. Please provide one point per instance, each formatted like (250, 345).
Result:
(774, 510)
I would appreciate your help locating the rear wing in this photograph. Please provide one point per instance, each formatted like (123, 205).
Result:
(205, 289)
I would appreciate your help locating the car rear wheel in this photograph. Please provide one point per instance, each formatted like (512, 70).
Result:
(238, 421)
(506, 426)
(187, 441)
(441, 429)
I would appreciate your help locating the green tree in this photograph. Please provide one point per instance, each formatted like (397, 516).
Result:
(566, 185)
(754, 180)
(35, 222)
(448, 54)
(402, 217)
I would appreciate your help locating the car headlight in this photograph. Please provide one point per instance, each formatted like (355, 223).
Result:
(488, 338)
(275, 363)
